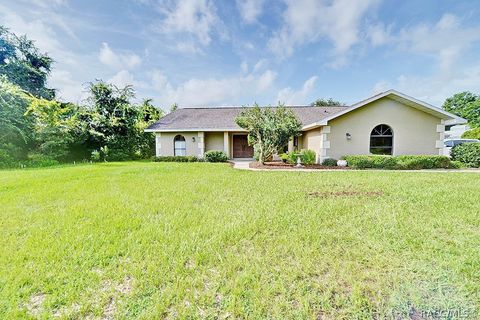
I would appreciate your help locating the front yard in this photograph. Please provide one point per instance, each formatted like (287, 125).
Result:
(201, 240)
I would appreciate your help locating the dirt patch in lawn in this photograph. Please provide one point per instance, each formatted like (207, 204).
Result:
(344, 193)
(35, 305)
(282, 165)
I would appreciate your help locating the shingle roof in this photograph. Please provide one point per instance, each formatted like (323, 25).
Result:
(223, 118)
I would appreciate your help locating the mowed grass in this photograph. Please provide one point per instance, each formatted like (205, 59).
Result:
(200, 240)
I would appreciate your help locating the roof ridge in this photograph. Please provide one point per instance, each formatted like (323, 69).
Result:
(239, 107)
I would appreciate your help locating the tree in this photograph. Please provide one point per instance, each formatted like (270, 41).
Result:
(55, 127)
(174, 107)
(15, 128)
(466, 105)
(24, 65)
(269, 129)
(325, 103)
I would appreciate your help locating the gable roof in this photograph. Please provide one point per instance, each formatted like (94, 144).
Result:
(223, 118)
(449, 118)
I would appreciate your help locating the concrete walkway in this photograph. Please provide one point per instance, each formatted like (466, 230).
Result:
(245, 165)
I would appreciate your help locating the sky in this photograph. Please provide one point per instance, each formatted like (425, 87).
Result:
(238, 52)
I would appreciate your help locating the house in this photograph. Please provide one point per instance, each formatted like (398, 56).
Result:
(388, 123)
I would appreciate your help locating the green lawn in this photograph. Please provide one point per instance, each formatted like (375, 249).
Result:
(200, 240)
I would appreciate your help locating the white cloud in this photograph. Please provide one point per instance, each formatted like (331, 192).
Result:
(446, 40)
(122, 79)
(194, 17)
(211, 91)
(297, 97)
(250, 10)
(434, 88)
(307, 21)
(117, 60)
(379, 34)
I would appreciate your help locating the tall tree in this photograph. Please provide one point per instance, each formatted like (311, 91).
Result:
(466, 105)
(321, 102)
(24, 65)
(269, 129)
(15, 127)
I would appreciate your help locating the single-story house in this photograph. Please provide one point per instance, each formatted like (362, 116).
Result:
(387, 123)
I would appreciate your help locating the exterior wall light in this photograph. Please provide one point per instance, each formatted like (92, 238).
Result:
(193, 139)
(349, 136)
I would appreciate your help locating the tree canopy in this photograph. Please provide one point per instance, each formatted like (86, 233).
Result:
(24, 65)
(34, 124)
(269, 129)
(466, 105)
(322, 102)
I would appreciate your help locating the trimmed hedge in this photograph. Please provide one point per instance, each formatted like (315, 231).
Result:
(216, 156)
(329, 162)
(176, 159)
(467, 153)
(407, 162)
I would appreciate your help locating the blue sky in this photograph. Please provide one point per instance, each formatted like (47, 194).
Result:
(205, 52)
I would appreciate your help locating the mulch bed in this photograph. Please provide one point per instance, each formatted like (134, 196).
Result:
(282, 165)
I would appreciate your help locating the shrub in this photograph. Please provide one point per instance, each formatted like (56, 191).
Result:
(329, 162)
(176, 159)
(38, 161)
(284, 157)
(308, 157)
(472, 134)
(422, 162)
(407, 162)
(456, 165)
(6, 161)
(95, 156)
(216, 156)
(467, 153)
(371, 162)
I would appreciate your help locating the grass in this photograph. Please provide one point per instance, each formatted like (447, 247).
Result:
(200, 240)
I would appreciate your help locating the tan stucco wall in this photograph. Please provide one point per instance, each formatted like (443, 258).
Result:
(213, 141)
(166, 141)
(414, 131)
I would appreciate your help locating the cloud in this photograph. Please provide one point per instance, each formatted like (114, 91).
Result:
(308, 21)
(117, 60)
(211, 91)
(196, 18)
(434, 88)
(122, 78)
(250, 10)
(297, 97)
(445, 41)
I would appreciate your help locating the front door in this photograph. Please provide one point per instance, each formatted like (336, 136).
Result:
(241, 149)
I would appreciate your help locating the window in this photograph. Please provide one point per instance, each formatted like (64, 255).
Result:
(381, 140)
(180, 146)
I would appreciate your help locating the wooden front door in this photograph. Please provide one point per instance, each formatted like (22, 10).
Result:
(241, 149)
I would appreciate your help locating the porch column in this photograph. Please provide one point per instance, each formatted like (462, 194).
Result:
(325, 144)
(441, 137)
(201, 144)
(158, 144)
(226, 143)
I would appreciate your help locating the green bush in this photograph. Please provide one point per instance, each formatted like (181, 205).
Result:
(472, 134)
(422, 162)
(6, 161)
(371, 162)
(216, 156)
(329, 162)
(95, 156)
(176, 159)
(456, 165)
(467, 153)
(38, 161)
(308, 157)
(284, 157)
(408, 162)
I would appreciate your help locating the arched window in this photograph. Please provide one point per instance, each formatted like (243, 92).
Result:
(381, 140)
(180, 146)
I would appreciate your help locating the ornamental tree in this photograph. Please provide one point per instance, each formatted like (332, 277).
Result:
(269, 129)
